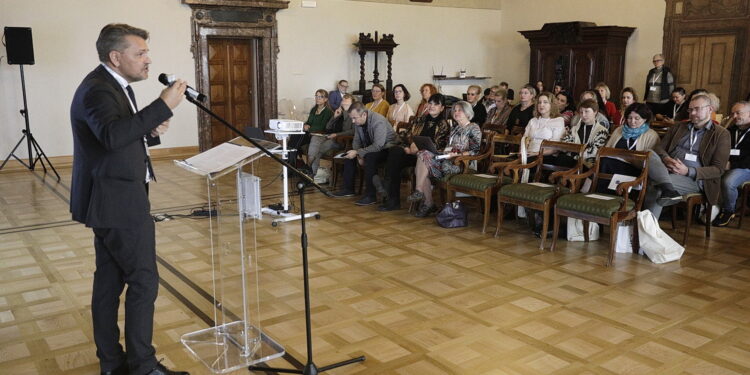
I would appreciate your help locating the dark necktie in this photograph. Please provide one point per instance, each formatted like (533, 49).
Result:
(131, 94)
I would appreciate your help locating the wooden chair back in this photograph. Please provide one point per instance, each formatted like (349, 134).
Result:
(557, 147)
(636, 158)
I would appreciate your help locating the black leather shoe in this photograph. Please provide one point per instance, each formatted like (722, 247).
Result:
(161, 370)
(389, 207)
(122, 369)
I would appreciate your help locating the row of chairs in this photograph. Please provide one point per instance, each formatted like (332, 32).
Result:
(561, 193)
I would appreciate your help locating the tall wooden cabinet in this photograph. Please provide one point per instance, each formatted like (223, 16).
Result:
(578, 55)
(706, 45)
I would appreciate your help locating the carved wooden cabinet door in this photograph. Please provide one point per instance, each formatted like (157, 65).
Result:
(707, 62)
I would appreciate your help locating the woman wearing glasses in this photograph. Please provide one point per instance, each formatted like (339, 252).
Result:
(400, 111)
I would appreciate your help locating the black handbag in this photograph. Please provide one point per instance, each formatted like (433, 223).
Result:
(453, 215)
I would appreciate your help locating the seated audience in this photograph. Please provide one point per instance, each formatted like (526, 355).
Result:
(400, 111)
(498, 115)
(373, 135)
(404, 154)
(627, 97)
(635, 135)
(691, 158)
(539, 86)
(335, 97)
(316, 122)
(588, 131)
(465, 139)
(546, 124)
(489, 97)
(480, 113)
(504, 86)
(378, 104)
(567, 107)
(739, 162)
(610, 109)
(427, 90)
(557, 89)
(339, 125)
(600, 118)
(522, 113)
(676, 109)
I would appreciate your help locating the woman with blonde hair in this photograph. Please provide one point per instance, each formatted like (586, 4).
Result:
(523, 112)
(547, 123)
(610, 109)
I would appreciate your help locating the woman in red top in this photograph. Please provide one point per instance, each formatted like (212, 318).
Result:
(610, 109)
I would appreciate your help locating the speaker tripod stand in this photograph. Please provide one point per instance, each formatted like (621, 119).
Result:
(36, 154)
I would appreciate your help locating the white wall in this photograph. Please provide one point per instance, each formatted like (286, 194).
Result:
(64, 35)
(647, 16)
(315, 50)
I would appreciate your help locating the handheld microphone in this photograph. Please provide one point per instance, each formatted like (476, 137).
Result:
(190, 92)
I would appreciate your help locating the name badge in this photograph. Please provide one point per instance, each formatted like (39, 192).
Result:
(652, 88)
(691, 157)
(734, 152)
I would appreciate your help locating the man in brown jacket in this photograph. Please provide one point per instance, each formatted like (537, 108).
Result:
(691, 158)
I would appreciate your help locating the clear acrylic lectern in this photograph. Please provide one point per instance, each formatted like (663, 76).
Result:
(236, 339)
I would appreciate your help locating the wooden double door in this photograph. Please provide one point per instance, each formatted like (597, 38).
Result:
(707, 62)
(232, 68)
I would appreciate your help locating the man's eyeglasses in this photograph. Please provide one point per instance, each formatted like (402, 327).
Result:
(697, 109)
(657, 60)
(319, 97)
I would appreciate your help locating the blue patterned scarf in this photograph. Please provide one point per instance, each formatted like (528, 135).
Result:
(631, 133)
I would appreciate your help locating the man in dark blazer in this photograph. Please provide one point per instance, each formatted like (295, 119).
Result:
(109, 194)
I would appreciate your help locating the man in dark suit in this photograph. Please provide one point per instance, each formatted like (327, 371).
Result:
(109, 193)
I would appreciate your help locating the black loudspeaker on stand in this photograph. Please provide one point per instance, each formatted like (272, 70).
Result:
(18, 44)
(310, 368)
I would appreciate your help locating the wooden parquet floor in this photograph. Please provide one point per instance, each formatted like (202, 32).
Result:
(413, 297)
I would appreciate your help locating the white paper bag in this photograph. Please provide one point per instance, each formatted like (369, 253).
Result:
(655, 243)
(575, 230)
(623, 244)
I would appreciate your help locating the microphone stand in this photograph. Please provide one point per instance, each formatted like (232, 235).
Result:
(305, 180)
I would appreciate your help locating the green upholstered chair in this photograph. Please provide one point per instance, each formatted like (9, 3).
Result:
(602, 208)
(484, 186)
(536, 194)
(465, 162)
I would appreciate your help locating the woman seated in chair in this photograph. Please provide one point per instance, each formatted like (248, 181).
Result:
(427, 90)
(465, 139)
(635, 135)
(588, 131)
(600, 118)
(404, 155)
(316, 122)
(498, 115)
(339, 125)
(547, 123)
(627, 97)
(610, 109)
(378, 103)
(566, 106)
(523, 112)
(400, 111)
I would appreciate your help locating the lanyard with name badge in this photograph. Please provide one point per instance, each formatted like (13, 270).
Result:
(736, 151)
(627, 140)
(691, 156)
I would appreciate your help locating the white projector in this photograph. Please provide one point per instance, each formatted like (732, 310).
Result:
(285, 125)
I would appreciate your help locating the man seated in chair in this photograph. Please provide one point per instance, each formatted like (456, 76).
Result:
(739, 163)
(373, 135)
(691, 158)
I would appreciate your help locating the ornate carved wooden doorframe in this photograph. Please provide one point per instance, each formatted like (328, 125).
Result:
(242, 19)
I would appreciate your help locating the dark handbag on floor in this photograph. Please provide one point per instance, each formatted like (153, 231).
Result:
(453, 215)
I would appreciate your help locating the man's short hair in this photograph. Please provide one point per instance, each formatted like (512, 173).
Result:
(710, 99)
(343, 81)
(112, 38)
(589, 103)
(356, 107)
(743, 103)
(475, 87)
(350, 97)
(504, 84)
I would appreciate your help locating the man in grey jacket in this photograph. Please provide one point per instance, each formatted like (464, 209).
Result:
(373, 135)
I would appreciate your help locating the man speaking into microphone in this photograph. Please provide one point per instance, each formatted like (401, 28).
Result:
(109, 193)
